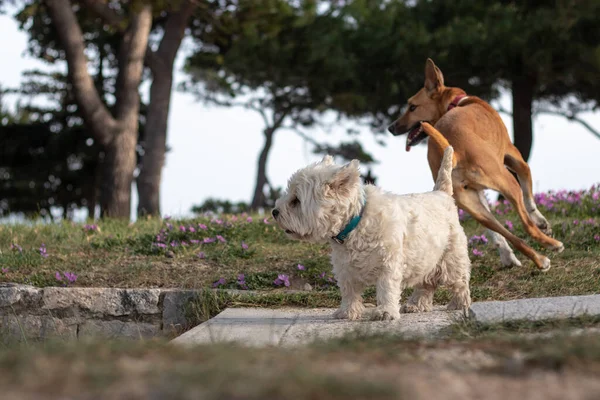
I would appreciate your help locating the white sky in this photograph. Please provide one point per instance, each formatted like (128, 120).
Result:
(214, 150)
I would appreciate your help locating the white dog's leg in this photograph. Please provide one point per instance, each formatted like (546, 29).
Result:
(421, 300)
(389, 289)
(507, 256)
(456, 270)
(352, 306)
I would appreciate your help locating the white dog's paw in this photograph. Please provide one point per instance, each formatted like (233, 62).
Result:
(410, 308)
(509, 259)
(385, 314)
(351, 313)
(459, 305)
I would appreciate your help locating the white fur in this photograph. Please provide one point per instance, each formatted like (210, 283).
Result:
(413, 240)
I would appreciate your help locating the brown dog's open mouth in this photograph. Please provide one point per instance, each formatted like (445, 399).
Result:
(415, 136)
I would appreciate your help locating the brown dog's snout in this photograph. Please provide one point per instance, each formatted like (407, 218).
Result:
(392, 128)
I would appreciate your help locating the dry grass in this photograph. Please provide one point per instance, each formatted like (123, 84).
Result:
(381, 367)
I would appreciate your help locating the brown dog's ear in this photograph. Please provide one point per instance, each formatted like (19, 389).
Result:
(345, 178)
(434, 79)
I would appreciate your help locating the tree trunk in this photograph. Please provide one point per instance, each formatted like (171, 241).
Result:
(258, 200)
(119, 165)
(154, 145)
(155, 136)
(522, 94)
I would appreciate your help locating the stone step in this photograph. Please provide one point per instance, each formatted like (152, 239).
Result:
(295, 326)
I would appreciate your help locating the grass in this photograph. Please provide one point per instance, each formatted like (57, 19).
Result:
(167, 253)
(376, 367)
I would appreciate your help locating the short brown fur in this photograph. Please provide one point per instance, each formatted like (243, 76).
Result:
(482, 153)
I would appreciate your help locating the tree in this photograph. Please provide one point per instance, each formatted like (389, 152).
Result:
(161, 63)
(49, 162)
(115, 133)
(117, 36)
(544, 53)
(281, 59)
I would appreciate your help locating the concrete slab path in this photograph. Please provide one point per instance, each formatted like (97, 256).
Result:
(294, 326)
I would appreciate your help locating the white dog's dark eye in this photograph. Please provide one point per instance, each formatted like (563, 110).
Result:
(295, 202)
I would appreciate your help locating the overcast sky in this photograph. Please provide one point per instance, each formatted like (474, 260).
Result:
(214, 150)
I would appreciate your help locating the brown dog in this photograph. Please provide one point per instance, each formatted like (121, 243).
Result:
(483, 157)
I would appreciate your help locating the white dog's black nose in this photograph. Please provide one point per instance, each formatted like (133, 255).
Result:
(275, 212)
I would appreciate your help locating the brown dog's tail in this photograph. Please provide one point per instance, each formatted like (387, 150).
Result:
(440, 141)
(444, 179)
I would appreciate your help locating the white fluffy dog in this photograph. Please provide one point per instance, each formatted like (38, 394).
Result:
(380, 238)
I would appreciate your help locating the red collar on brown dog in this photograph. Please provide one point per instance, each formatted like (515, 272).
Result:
(456, 100)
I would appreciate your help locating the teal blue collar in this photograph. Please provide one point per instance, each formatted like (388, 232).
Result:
(343, 235)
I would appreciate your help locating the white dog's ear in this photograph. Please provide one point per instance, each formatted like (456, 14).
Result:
(346, 177)
(327, 160)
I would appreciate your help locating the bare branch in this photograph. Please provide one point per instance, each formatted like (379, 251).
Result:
(131, 64)
(503, 110)
(571, 117)
(94, 112)
(173, 35)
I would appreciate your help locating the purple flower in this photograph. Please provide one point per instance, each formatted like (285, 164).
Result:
(478, 239)
(201, 255)
(249, 219)
(597, 238)
(266, 221)
(194, 241)
(71, 277)
(182, 228)
(15, 246)
(208, 240)
(42, 250)
(234, 218)
(169, 226)
(161, 245)
(221, 239)
(57, 276)
(241, 281)
(5, 270)
(202, 226)
(89, 228)
(322, 275)
(509, 225)
(174, 243)
(576, 222)
(477, 253)
(191, 229)
(184, 243)
(167, 217)
(282, 279)
(218, 283)
(461, 214)
(301, 267)
(244, 246)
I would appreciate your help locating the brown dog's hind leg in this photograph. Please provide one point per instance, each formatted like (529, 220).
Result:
(506, 184)
(514, 161)
(468, 200)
